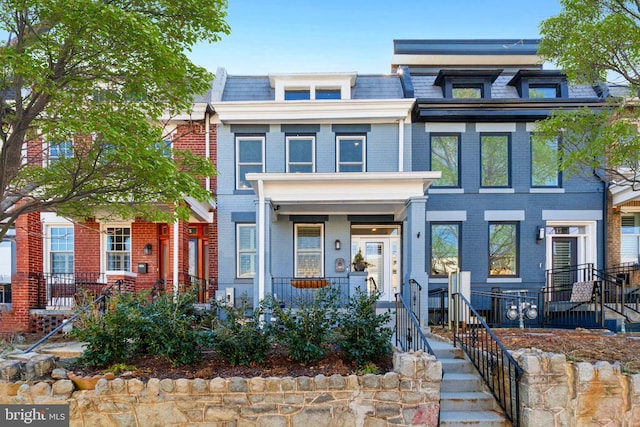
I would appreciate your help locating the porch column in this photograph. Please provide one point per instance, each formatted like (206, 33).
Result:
(416, 250)
(262, 281)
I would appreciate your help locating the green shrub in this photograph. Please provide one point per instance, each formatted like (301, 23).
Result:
(307, 330)
(131, 326)
(363, 333)
(242, 339)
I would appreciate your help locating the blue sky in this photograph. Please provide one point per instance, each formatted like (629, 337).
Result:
(281, 36)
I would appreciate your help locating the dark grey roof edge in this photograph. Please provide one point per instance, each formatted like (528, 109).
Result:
(466, 46)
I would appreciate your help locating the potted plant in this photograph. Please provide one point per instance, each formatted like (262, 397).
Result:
(359, 264)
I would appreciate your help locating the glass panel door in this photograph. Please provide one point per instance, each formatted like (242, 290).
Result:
(564, 260)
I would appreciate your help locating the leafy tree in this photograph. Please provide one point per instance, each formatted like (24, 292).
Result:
(592, 41)
(99, 75)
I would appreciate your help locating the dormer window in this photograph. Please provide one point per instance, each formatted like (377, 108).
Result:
(297, 94)
(544, 91)
(466, 84)
(313, 87)
(328, 94)
(540, 84)
(466, 92)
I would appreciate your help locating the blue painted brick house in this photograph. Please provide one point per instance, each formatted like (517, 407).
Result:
(432, 168)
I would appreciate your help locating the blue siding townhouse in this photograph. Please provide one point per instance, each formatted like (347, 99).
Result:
(432, 168)
(502, 210)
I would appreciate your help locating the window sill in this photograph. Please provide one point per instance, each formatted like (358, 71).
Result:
(504, 280)
(546, 190)
(496, 190)
(446, 191)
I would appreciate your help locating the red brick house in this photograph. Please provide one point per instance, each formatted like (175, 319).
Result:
(48, 259)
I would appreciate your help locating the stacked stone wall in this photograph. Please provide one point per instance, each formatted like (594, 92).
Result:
(408, 396)
(557, 393)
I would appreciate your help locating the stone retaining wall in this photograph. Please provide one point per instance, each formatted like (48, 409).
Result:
(408, 396)
(557, 393)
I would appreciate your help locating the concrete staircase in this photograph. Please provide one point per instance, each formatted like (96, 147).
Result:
(464, 399)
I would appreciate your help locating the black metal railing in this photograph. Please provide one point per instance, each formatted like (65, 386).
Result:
(408, 334)
(204, 287)
(64, 290)
(291, 291)
(100, 302)
(499, 370)
(415, 298)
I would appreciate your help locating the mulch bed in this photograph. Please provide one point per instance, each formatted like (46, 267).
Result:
(211, 365)
(579, 345)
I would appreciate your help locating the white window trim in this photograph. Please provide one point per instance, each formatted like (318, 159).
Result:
(239, 251)
(363, 138)
(313, 149)
(295, 248)
(103, 246)
(50, 220)
(237, 148)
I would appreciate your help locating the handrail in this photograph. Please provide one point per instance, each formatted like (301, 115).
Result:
(499, 370)
(415, 297)
(105, 293)
(409, 335)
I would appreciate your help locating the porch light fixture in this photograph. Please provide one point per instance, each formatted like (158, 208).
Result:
(338, 245)
(540, 235)
(147, 249)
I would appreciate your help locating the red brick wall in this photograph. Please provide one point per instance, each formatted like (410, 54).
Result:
(142, 233)
(27, 290)
(87, 247)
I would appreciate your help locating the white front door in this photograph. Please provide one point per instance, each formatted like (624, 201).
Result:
(380, 246)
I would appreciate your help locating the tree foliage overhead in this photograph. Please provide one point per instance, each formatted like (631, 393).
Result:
(99, 74)
(594, 41)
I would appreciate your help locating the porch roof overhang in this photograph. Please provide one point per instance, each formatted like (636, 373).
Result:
(625, 192)
(201, 211)
(352, 193)
(334, 111)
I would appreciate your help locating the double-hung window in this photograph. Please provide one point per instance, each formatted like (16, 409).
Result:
(545, 168)
(503, 249)
(309, 256)
(630, 238)
(246, 251)
(118, 248)
(301, 153)
(164, 148)
(60, 150)
(61, 250)
(495, 152)
(445, 248)
(445, 157)
(249, 158)
(351, 153)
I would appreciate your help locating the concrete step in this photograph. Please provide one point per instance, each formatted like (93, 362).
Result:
(461, 383)
(467, 401)
(472, 418)
(460, 366)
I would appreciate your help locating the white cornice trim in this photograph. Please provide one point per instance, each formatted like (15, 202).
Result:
(498, 60)
(345, 111)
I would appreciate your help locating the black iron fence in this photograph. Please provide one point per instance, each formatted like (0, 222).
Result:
(291, 291)
(498, 368)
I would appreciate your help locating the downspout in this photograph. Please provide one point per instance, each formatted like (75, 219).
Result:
(207, 148)
(401, 145)
(605, 218)
(261, 242)
(176, 229)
